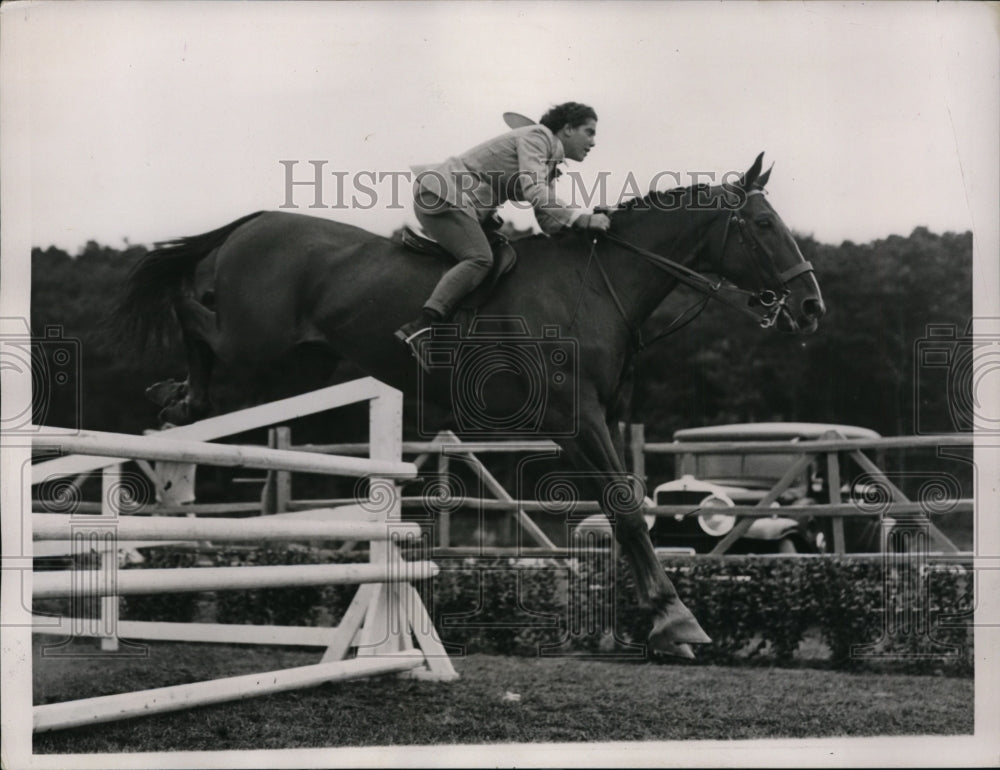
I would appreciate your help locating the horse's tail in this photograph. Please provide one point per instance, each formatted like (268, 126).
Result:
(139, 318)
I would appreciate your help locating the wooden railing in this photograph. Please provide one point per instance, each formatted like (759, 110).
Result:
(829, 452)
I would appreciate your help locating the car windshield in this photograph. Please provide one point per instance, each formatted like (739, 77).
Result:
(753, 466)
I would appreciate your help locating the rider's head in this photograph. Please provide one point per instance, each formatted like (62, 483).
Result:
(576, 126)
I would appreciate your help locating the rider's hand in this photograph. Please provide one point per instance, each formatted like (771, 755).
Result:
(599, 222)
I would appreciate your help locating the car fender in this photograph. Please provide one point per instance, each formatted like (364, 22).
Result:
(688, 483)
(773, 529)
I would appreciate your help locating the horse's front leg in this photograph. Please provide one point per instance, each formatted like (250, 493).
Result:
(593, 452)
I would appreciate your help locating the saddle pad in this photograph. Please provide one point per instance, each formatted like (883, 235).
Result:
(504, 260)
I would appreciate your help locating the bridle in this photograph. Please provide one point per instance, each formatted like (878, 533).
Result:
(763, 260)
(757, 253)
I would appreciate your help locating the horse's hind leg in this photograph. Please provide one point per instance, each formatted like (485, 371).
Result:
(189, 401)
(593, 452)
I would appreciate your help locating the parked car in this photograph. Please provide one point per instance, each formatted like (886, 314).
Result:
(711, 482)
(717, 481)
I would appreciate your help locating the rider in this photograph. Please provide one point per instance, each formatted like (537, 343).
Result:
(454, 199)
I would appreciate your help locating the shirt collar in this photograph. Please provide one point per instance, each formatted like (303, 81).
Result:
(559, 154)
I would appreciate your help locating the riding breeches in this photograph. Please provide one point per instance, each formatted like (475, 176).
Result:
(462, 237)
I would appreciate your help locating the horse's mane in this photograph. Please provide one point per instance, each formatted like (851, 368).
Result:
(664, 200)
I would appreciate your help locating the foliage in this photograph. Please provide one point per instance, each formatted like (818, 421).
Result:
(170, 607)
(753, 608)
(497, 607)
(303, 605)
(870, 613)
(858, 368)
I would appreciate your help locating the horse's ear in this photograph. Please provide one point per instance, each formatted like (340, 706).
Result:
(762, 179)
(747, 180)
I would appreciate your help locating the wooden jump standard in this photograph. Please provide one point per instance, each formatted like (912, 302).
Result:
(386, 624)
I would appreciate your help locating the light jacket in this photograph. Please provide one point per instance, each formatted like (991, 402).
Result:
(519, 165)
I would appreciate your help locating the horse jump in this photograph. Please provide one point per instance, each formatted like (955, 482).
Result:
(386, 622)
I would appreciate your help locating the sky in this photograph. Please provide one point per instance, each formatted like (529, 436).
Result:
(152, 120)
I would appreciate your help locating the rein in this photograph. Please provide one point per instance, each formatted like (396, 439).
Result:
(760, 256)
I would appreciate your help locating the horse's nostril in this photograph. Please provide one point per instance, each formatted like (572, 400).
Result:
(813, 307)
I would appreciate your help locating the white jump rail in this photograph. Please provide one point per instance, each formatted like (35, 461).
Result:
(48, 526)
(178, 451)
(106, 708)
(386, 624)
(48, 585)
(334, 396)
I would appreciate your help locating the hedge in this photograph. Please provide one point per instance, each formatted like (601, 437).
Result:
(869, 614)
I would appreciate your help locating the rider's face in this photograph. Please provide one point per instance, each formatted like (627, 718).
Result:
(578, 141)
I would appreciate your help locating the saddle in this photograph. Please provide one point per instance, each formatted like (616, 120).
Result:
(504, 260)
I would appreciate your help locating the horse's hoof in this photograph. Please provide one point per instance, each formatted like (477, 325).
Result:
(676, 626)
(166, 392)
(176, 414)
(679, 650)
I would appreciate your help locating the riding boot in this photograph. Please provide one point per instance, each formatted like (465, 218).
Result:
(410, 334)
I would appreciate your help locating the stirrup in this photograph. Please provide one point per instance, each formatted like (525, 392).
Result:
(405, 336)
(412, 341)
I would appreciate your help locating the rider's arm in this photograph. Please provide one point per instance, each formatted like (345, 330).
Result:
(534, 149)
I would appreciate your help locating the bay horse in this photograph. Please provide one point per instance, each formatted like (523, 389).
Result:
(253, 290)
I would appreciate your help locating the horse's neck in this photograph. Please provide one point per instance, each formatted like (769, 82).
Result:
(678, 235)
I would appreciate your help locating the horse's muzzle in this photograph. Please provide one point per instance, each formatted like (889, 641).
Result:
(806, 320)
(801, 320)
(812, 309)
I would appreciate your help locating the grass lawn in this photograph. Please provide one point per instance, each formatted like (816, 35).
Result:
(561, 699)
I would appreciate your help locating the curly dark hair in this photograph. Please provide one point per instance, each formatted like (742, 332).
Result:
(569, 113)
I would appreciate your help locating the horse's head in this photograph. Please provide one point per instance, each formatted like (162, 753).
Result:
(757, 252)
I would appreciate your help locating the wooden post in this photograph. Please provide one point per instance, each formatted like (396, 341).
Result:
(276, 492)
(937, 536)
(381, 630)
(833, 484)
(637, 442)
(111, 489)
(281, 438)
(528, 525)
(743, 524)
(444, 518)
(396, 613)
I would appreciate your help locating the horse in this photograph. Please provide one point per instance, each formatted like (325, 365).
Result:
(255, 289)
